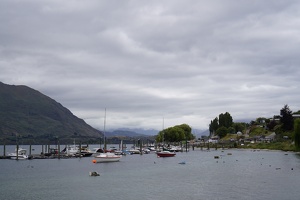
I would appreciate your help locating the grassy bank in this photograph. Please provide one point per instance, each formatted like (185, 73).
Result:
(284, 146)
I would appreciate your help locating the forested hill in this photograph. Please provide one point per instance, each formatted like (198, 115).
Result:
(28, 114)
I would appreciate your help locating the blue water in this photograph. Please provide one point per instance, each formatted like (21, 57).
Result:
(245, 174)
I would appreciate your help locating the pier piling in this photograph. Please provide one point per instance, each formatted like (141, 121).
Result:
(4, 151)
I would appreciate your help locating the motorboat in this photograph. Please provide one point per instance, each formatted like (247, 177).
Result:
(107, 157)
(19, 155)
(96, 151)
(151, 148)
(73, 150)
(146, 151)
(134, 151)
(165, 154)
(119, 152)
(85, 151)
(174, 149)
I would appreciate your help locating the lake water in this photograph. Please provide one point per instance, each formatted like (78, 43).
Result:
(246, 174)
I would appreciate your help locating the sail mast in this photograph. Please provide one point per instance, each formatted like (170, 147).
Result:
(104, 130)
(163, 131)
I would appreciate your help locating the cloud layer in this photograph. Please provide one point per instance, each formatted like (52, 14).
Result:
(181, 61)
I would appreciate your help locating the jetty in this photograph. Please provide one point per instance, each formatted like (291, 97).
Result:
(47, 153)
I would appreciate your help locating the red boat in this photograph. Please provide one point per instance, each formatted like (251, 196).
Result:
(165, 154)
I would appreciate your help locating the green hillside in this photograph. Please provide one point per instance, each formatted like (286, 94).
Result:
(31, 117)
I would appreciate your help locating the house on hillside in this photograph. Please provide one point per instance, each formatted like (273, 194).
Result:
(214, 139)
(295, 116)
(270, 137)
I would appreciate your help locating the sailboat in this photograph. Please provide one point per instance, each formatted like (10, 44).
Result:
(164, 152)
(106, 156)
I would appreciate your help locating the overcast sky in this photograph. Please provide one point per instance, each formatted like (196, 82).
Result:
(155, 64)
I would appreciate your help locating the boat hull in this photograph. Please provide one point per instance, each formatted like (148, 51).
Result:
(20, 157)
(165, 154)
(84, 154)
(107, 157)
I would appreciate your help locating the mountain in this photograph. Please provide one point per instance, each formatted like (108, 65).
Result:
(29, 114)
(123, 133)
(136, 131)
(139, 132)
(199, 133)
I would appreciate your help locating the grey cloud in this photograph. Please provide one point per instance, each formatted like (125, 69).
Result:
(184, 61)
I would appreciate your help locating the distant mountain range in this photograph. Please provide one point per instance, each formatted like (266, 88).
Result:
(138, 132)
(132, 132)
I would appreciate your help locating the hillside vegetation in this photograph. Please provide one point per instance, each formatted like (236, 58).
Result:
(30, 116)
(280, 132)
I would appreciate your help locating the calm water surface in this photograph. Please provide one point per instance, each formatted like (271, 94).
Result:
(245, 174)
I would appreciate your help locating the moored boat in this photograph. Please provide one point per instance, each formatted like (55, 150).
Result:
(107, 157)
(165, 154)
(85, 151)
(134, 151)
(96, 151)
(20, 154)
(73, 150)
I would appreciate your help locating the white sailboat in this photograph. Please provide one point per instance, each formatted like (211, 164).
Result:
(106, 156)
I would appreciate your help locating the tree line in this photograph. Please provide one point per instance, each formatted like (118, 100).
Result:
(280, 124)
(224, 124)
(176, 133)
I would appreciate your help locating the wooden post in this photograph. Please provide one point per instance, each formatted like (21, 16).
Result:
(4, 150)
(181, 147)
(58, 149)
(30, 149)
(17, 152)
(141, 147)
(100, 142)
(186, 145)
(80, 149)
(104, 144)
